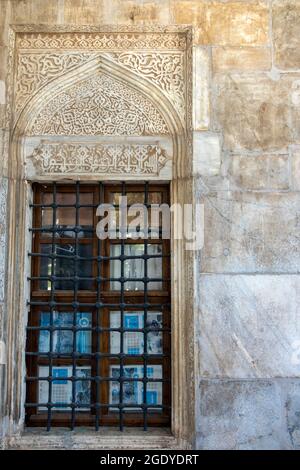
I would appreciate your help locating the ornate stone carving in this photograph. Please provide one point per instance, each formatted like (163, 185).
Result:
(98, 159)
(100, 105)
(36, 70)
(102, 41)
(164, 69)
(3, 203)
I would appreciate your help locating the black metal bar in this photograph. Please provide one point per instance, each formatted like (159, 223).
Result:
(51, 314)
(122, 317)
(96, 354)
(145, 319)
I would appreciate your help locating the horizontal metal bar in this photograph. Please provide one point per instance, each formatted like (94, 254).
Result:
(97, 258)
(94, 379)
(97, 329)
(74, 355)
(95, 405)
(76, 305)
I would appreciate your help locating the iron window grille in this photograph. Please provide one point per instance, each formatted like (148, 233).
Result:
(98, 342)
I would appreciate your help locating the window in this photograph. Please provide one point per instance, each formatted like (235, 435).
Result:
(98, 340)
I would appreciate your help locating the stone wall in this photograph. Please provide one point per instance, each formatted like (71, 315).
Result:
(248, 176)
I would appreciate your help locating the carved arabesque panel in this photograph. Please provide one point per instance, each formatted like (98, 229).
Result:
(100, 105)
(79, 158)
(35, 70)
(103, 41)
(164, 69)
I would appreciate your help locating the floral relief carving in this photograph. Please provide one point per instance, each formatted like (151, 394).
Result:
(164, 69)
(98, 159)
(3, 202)
(36, 70)
(100, 105)
(105, 40)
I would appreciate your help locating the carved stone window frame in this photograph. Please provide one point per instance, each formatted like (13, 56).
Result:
(183, 262)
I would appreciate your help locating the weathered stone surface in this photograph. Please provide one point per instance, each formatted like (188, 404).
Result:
(191, 12)
(83, 11)
(251, 232)
(237, 23)
(295, 168)
(5, 19)
(3, 62)
(201, 88)
(259, 171)
(241, 58)
(249, 326)
(34, 11)
(257, 112)
(207, 153)
(230, 23)
(292, 411)
(137, 12)
(286, 31)
(239, 415)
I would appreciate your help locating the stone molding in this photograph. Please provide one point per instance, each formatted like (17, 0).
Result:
(99, 160)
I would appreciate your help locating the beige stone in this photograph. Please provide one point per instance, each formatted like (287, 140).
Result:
(34, 11)
(256, 112)
(191, 12)
(3, 62)
(5, 19)
(141, 12)
(241, 58)
(83, 11)
(251, 232)
(259, 171)
(286, 32)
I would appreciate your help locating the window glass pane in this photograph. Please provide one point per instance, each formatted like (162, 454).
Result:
(133, 390)
(137, 197)
(66, 216)
(134, 268)
(133, 342)
(61, 394)
(64, 267)
(63, 339)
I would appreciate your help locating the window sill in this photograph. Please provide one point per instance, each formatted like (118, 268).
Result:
(106, 438)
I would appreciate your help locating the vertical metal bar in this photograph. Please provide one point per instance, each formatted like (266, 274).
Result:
(146, 194)
(75, 306)
(52, 297)
(98, 310)
(121, 381)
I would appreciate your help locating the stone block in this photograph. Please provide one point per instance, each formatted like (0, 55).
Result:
(201, 84)
(5, 20)
(253, 232)
(253, 172)
(237, 23)
(207, 153)
(286, 32)
(140, 12)
(239, 415)
(257, 112)
(292, 412)
(83, 11)
(249, 326)
(241, 59)
(295, 168)
(35, 11)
